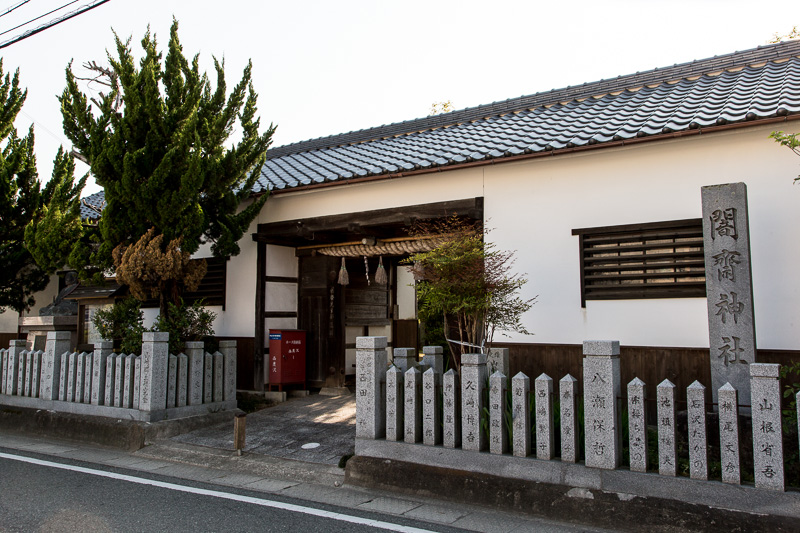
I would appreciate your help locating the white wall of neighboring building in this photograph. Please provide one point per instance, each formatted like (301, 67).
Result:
(533, 206)
(9, 320)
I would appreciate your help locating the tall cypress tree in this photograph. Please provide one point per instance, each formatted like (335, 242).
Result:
(162, 162)
(23, 204)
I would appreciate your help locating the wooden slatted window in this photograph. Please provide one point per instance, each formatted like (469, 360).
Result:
(211, 289)
(656, 260)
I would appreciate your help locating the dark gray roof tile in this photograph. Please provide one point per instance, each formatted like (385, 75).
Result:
(720, 90)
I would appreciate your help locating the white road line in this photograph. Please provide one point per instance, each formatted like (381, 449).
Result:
(224, 495)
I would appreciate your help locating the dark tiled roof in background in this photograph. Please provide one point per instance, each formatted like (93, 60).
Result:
(759, 83)
(92, 205)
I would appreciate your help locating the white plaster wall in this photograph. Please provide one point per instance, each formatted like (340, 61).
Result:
(536, 204)
(8, 322)
(406, 295)
(383, 194)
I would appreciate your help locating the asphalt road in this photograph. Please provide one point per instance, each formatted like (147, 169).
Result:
(41, 495)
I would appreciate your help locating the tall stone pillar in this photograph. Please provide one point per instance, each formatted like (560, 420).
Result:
(58, 343)
(601, 387)
(370, 374)
(153, 388)
(729, 288)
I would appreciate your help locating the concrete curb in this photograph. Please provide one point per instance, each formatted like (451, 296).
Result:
(127, 435)
(590, 507)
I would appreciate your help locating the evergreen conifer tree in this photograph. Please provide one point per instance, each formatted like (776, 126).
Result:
(161, 158)
(52, 214)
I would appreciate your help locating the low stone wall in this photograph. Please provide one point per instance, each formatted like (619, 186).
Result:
(148, 387)
(414, 413)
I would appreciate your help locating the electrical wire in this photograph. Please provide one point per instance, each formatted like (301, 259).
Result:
(40, 16)
(52, 23)
(12, 8)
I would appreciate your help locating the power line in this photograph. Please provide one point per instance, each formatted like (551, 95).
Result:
(53, 22)
(39, 17)
(12, 8)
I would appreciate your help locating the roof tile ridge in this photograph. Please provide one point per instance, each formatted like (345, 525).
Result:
(697, 67)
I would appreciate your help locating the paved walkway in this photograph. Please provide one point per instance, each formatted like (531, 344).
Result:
(275, 463)
(316, 429)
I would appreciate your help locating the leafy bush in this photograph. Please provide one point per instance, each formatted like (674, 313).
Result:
(122, 323)
(185, 323)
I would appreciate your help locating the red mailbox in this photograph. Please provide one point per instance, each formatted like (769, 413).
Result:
(287, 357)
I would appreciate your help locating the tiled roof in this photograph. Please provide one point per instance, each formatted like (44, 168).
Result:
(755, 84)
(733, 89)
(92, 206)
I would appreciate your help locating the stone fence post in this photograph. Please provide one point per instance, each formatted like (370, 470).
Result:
(57, 344)
(16, 367)
(153, 388)
(765, 391)
(228, 351)
(473, 380)
(601, 387)
(371, 367)
(102, 350)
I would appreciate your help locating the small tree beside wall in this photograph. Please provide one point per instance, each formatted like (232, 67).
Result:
(469, 283)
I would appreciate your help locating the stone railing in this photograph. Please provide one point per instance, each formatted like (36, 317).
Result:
(148, 387)
(451, 414)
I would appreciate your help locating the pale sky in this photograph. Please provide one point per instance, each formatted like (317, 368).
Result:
(323, 67)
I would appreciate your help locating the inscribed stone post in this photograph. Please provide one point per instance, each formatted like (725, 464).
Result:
(153, 392)
(194, 353)
(729, 290)
(22, 371)
(87, 379)
(665, 396)
(127, 386)
(119, 380)
(432, 357)
(28, 371)
(370, 375)
(80, 367)
(72, 376)
(569, 423)
(498, 436)
(208, 377)
(413, 405)
(451, 414)
(431, 415)
(404, 358)
(730, 460)
(219, 382)
(102, 350)
(395, 407)
(637, 425)
(137, 381)
(57, 344)
(62, 386)
(520, 390)
(183, 375)
(767, 430)
(228, 350)
(12, 379)
(601, 387)
(545, 437)
(3, 370)
(473, 379)
(497, 361)
(172, 380)
(111, 367)
(698, 443)
(36, 376)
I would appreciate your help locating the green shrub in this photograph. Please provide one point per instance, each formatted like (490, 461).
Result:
(122, 323)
